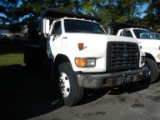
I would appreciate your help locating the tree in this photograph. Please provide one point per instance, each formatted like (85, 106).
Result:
(108, 10)
(153, 14)
(5, 7)
(29, 13)
(120, 10)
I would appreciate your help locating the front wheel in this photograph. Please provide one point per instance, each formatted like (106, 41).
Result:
(154, 70)
(69, 87)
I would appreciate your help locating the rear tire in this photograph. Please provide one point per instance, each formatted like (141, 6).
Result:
(71, 92)
(154, 70)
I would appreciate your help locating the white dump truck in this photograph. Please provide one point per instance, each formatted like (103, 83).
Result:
(83, 55)
(149, 45)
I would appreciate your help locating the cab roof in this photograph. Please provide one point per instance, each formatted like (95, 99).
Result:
(134, 28)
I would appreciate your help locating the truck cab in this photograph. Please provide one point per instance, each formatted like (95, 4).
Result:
(156, 35)
(84, 56)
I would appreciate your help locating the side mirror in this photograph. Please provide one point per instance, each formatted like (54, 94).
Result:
(54, 36)
(46, 25)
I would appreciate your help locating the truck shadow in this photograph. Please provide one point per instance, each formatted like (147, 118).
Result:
(9, 47)
(25, 96)
(94, 94)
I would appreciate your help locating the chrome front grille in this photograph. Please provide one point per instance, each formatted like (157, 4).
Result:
(122, 56)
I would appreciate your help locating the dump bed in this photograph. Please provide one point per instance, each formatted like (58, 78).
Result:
(54, 13)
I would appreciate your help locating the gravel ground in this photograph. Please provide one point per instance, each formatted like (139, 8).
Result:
(140, 104)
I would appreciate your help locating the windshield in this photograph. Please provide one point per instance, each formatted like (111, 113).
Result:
(143, 34)
(80, 26)
(157, 36)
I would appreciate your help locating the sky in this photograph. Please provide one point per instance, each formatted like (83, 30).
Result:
(144, 7)
(19, 3)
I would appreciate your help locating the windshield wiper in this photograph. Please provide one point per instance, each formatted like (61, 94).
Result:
(82, 31)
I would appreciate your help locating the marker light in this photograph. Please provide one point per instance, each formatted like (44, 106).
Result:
(80, 46)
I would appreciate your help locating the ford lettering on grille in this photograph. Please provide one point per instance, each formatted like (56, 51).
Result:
(125, 54)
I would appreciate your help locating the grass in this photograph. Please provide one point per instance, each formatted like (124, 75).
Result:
(12, 66)
(11, 54)
(11, 59)
(22, 95)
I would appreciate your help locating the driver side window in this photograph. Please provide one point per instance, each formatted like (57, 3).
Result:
(126, 33)
(57, 28)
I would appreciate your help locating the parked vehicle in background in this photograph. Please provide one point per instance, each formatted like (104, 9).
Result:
(156, 36)
(1, 36)
(16, 38)
(149, 45)
(4, 38)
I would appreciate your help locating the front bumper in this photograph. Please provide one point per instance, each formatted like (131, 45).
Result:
(112, 79)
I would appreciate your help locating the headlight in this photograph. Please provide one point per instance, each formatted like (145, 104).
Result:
(85, 62)
(143, 59)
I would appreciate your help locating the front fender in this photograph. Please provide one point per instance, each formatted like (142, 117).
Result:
(72, 54)
(153, 54)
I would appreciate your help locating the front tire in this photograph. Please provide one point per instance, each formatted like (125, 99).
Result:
(71, 92)
(154, 70)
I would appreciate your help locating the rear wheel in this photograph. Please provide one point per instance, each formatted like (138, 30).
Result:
(154, 70)
(71, 92)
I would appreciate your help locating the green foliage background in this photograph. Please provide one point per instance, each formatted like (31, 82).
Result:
(108, 10)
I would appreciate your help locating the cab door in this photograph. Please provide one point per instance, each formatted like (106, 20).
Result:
(55, 41)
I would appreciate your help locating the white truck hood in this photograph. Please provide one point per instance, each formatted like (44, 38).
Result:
(92, 41)
(149, 43)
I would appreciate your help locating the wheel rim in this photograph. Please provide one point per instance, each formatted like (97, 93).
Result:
(149, 71)
(64, 84)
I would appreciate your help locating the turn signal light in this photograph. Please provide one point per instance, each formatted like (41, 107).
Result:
(140, 47)
(81, 62)
(158, 56)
